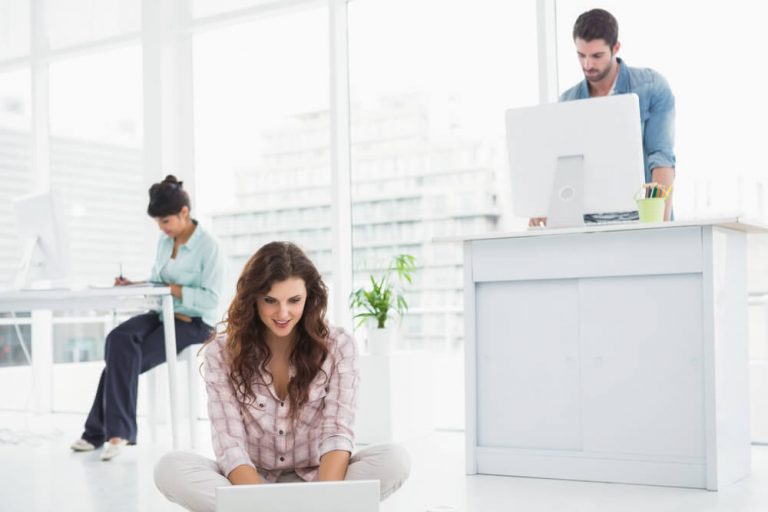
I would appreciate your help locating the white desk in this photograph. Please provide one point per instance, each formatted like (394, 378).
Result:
(42, 302)
(613, 353)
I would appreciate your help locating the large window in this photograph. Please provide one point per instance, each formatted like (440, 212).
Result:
(15, 332)
(429, 85)
(96, 170)
(96, 162)
(80, 341)
(16, 177)
(15, 162)
(262, 134)
(202, 8)
(71, 22)
(14, 28)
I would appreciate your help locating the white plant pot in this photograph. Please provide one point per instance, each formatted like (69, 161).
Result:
(381, 341)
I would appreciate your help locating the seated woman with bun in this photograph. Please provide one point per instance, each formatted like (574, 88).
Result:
(188, 260)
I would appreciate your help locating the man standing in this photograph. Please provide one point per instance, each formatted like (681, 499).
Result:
(596, 36)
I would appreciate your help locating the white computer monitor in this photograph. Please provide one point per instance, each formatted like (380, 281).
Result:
(575, 158)
(42, 231)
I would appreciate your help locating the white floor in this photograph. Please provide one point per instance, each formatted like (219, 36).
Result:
(39, 473)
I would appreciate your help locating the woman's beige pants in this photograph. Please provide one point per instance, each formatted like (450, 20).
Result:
(191, 480)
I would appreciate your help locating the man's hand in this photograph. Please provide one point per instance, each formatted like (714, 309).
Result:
(537, 222)
(121, 281)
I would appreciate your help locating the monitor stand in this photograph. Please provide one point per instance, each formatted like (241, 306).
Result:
(566, 205)
(30, 259)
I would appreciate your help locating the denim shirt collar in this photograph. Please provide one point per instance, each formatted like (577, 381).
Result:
(622, 81)
(583, 89)
(620, 87)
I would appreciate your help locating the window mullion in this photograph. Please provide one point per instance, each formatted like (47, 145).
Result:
(341, 200)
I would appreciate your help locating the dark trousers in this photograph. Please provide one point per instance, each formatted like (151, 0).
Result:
(132, 348)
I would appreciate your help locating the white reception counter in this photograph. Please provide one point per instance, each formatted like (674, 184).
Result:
(614, 353)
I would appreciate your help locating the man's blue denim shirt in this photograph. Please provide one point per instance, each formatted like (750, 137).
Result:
(657, 112)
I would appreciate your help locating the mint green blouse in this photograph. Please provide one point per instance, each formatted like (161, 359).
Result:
(198, 268)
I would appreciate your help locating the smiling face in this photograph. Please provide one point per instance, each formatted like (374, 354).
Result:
(597, 59)
(282, 307)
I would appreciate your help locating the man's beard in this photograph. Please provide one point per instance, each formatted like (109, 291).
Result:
(598, 77)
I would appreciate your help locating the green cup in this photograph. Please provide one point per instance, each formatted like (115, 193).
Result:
(651, 209)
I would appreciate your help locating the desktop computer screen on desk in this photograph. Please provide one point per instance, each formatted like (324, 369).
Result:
(41, 227)
(575, 158)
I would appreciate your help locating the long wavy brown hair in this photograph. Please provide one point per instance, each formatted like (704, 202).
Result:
(246, 333)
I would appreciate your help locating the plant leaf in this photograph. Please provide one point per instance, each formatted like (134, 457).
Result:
(383, 296)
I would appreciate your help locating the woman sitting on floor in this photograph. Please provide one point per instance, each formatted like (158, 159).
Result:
(282, 388)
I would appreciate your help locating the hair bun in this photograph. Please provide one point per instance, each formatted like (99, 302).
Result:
(167, 197)
(171, 180)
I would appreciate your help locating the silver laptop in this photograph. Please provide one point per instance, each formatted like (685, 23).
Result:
(354, 495)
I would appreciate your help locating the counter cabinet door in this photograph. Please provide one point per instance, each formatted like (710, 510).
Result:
(642, 365)
(527, 365)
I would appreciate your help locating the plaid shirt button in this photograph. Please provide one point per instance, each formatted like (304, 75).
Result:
(282, 459)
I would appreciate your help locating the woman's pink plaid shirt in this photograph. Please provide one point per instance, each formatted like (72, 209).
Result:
(262, 434)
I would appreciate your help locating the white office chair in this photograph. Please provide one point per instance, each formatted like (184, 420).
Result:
(188, 355)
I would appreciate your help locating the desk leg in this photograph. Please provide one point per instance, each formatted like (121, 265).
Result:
(42, 361)
(170, 357)
(193, 385)
(152, 408)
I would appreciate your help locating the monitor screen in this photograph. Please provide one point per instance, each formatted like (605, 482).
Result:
(586, 153)
(40, 224)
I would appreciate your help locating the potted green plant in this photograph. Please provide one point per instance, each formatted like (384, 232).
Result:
(381, 300)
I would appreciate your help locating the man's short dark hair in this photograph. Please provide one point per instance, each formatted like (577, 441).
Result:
(597, 24)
